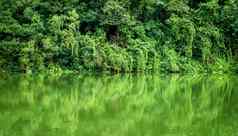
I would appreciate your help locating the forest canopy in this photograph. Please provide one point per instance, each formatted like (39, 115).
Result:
(119, 35)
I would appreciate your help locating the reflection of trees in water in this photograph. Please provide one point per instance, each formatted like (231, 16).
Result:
(115, 105)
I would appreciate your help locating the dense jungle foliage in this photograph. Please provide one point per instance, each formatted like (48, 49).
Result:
(119, 35)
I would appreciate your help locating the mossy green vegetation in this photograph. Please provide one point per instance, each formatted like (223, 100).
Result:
(119, 35)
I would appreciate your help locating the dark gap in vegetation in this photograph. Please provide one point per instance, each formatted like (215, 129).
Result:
(6, 36)
(162, 14)
(19, 16)
(86, 27)
(197, 53)
(221, 2)
(195, 3)
(112, 33)
(43, 9)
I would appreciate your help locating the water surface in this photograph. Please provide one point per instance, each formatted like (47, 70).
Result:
(119, 105)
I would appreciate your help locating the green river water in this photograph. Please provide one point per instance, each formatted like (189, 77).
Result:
(119, 105)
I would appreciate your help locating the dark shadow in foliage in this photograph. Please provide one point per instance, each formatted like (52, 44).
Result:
(197, 53)
(159, 13)
(112, 33)
(43, 8)
(65, 59)
(6, 36)
(18, 15)
(195, 3)
(86, 27)
(222, 2)
(162, 14)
